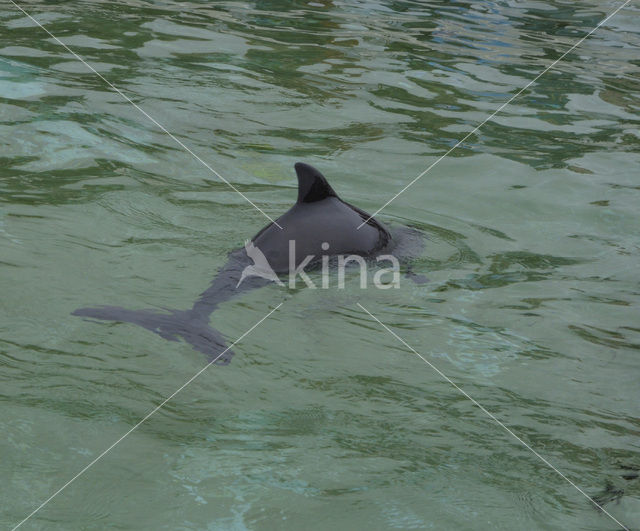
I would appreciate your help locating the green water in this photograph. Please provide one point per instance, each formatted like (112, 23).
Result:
(323, 420)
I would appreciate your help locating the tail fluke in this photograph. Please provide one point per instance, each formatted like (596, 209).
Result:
(172, 326)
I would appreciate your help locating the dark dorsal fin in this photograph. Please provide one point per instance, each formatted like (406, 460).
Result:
(312, 186)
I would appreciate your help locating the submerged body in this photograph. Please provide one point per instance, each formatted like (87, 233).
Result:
(319, 224)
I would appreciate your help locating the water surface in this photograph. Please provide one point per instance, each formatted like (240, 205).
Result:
(323, 420)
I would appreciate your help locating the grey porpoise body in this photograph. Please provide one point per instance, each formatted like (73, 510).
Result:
(318, 216)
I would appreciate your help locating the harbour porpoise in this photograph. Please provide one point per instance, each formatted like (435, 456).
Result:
(319, 223)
